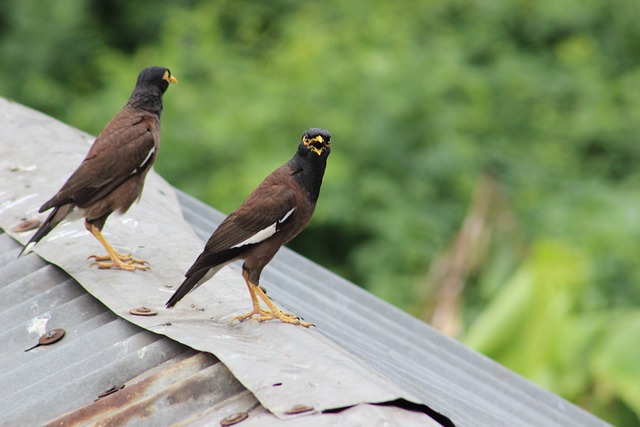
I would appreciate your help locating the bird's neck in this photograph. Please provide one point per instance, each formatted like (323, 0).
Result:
(148, 101)
(308, 171)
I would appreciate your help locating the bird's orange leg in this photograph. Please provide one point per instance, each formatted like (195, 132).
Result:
(254, 300)
(123, 262)
(263, 315)
(275, 313)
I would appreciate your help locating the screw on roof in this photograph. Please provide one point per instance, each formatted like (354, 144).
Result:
(49, 337)
(110, 391)
(233, 419)
(26, 225)
(143, 311)
(299, 409)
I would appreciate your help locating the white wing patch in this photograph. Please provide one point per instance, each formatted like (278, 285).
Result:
(146, 159)
(287, 215)
(265, 233)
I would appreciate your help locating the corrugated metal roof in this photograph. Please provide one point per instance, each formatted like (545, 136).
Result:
(465, 386)
(168, 382)
(299, 361)
(100, 350)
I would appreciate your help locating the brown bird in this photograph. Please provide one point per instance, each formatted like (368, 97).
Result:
(111, 176)
(276, 212)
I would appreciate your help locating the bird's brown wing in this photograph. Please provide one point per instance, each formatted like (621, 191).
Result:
(125, 147)
(267, 211)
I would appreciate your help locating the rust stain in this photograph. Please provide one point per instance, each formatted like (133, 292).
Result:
(140, 399)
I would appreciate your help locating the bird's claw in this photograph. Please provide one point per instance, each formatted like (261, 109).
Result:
(264, 315)
(124, 262)
(127, 266)
(124, 258)
(248, 315)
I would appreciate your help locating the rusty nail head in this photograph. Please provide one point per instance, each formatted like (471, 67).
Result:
(26, 225)
(143, 311)
(233, 419)
(51, 336)
(110, 391)
(299, 409)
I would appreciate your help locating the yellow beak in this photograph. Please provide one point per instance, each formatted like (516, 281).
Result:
(318, 151)
(169, 77)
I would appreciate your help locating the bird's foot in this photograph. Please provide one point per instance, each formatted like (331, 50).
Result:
(123, 262)
(121, 257)
(264, 315)
(243, 317)
(127, 266)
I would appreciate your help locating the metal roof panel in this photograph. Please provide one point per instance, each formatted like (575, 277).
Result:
(392, 350)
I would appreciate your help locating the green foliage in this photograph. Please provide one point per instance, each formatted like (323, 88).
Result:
(525, 323)
(420, 98)
(535, 326)
(615, 362)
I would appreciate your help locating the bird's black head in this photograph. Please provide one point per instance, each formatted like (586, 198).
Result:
(317, 141)
(155, 78)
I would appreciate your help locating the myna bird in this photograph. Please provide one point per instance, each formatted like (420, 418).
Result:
(276, 212)
(111, 176)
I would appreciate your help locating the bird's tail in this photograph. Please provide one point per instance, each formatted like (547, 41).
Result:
(54, 218)
(192, 282)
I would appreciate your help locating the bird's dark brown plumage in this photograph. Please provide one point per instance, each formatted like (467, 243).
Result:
(277, 211)
(111, 176)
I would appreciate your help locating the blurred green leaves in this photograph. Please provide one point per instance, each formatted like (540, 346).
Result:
(535, 325)
(524, 323)
(615, 361)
